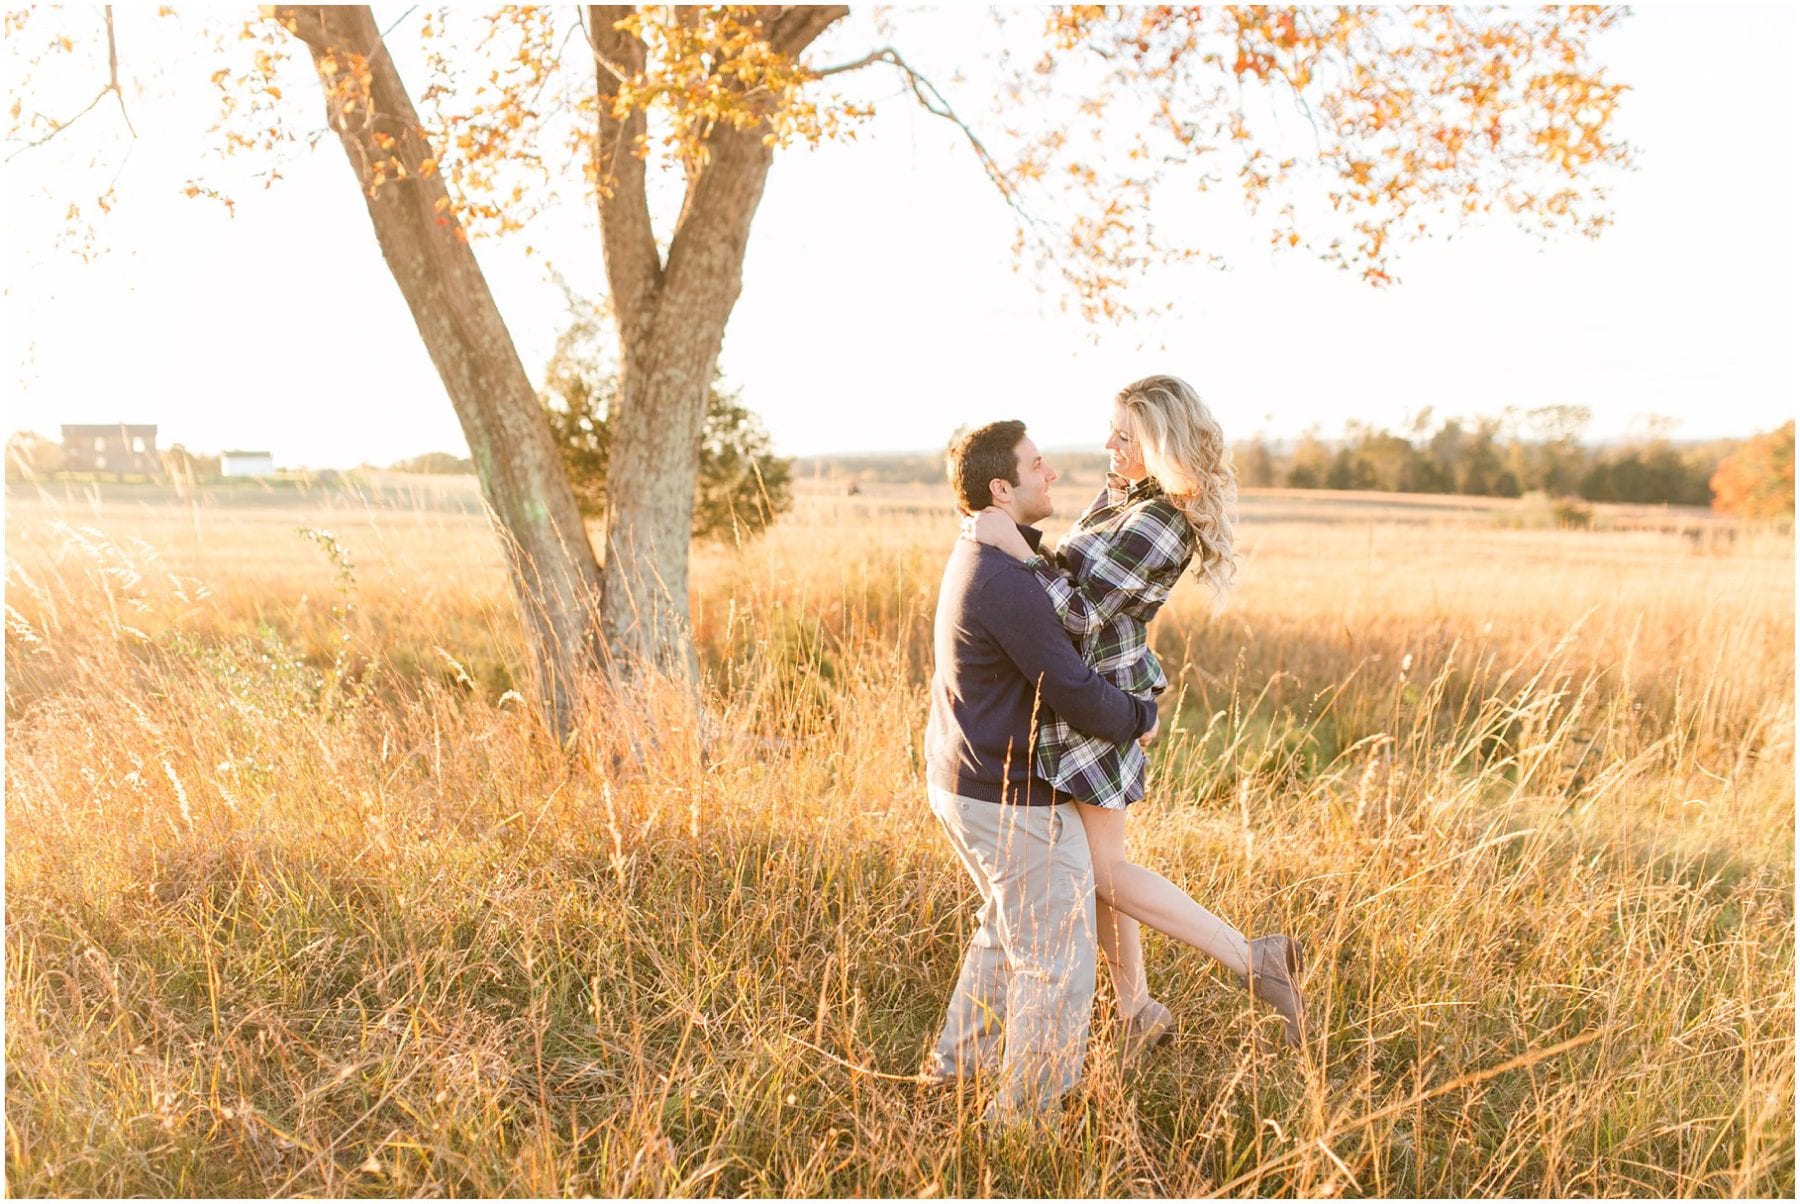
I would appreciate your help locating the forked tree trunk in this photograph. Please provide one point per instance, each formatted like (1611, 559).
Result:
(667, 357)
(671, 315)
(632, 612)
(555, 577)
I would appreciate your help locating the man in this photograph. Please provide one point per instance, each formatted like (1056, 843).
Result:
(1003, 661)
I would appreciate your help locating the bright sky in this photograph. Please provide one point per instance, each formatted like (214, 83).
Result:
(881, 309)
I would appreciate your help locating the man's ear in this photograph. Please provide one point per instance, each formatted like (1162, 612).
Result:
(1000, 489)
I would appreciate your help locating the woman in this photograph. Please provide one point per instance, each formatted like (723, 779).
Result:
(1168, 502)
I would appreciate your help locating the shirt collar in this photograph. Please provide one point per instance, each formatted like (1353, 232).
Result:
(1120, 491)
(1032, 535)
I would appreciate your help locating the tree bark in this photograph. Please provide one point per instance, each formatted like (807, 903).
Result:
(554, 574)
(664, 374)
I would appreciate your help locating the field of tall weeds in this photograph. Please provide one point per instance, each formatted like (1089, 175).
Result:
(302, 899)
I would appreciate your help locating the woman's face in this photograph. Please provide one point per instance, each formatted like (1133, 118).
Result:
(1127, 457)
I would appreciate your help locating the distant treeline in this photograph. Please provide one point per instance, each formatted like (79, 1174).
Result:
(1508, 456)
(1535, 452)
(436, 462)
(916, 468)
(1516, 453)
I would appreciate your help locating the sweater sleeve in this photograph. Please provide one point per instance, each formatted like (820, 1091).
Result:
(1152, 539)
(1019, 617)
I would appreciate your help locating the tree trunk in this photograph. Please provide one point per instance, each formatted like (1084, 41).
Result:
(666, 369)
(633, 611)
(555, 577)
(671, 320)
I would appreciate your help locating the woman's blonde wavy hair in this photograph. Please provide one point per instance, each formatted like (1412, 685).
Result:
(1184, 449)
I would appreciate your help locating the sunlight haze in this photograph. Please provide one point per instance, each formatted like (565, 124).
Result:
(881, 307)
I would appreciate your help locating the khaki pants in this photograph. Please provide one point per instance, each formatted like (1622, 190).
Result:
(1029, 971)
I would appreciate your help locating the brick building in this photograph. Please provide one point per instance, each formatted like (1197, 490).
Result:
(111, 447)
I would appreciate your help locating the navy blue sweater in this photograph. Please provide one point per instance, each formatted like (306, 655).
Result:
(1003, 659)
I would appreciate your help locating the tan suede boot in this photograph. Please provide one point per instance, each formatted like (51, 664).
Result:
(1274, 967)
(1148, 1027)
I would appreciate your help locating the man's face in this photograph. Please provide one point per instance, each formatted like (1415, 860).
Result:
(1029, 501)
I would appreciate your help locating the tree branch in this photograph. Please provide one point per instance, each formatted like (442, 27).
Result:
(112, 86)
(794, 27)
(395, 23)
(934, 102)
(616, 70)
(112, 68)
(874, 56)
(634, 269)
(61, 126)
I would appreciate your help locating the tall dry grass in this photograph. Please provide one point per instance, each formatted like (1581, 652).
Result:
(300, 899)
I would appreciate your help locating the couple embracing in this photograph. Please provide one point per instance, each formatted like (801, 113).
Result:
(1042, 704)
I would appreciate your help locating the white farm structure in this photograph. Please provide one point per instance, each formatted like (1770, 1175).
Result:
(246, 464)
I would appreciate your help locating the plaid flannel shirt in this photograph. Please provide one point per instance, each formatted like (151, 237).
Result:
(1110, 576)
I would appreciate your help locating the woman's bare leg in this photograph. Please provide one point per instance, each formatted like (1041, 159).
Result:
(1124, 951)
(1152, 899)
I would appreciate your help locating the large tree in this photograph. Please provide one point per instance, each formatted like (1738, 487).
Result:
(1358, 128)
(1757, 480)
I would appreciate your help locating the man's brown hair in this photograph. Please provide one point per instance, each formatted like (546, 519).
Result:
(980, 457)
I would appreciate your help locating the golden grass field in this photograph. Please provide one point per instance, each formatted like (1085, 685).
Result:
(300, 900)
